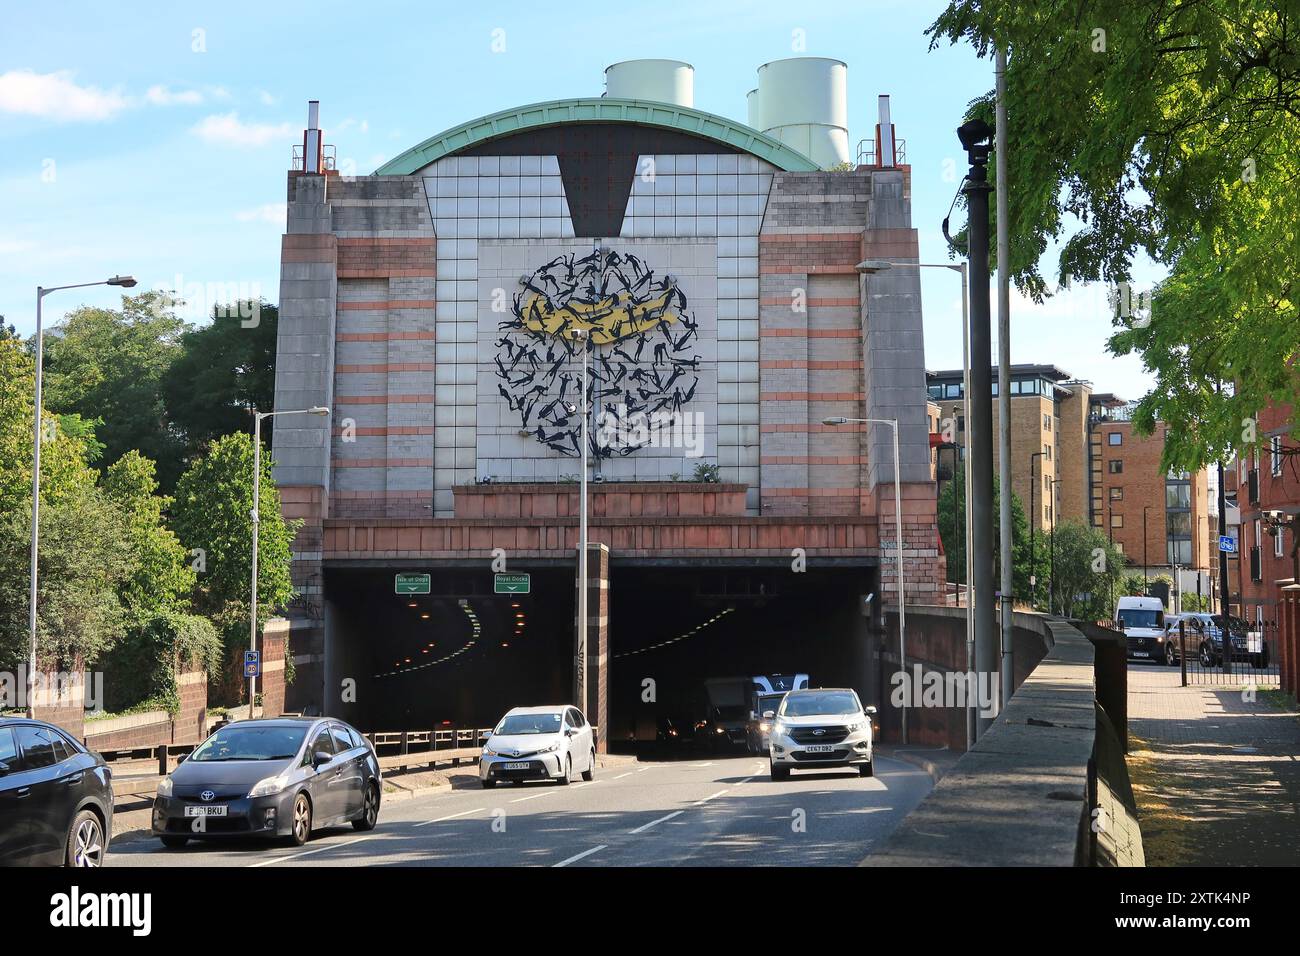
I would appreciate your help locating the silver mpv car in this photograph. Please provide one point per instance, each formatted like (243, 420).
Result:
(822, 727)
(539, 743)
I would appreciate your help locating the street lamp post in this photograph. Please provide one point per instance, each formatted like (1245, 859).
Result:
(1146, 586)
(898, 540)
(1051, 591)
(580, 651)
(1033, 518)
(257, 524)
(126, 282)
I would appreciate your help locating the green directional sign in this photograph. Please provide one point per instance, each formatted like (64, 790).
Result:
(512, 584)
(411, 584)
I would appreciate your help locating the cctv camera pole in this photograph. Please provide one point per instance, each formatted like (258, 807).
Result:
(1004, 372)
(974, 136)
(1224, 592)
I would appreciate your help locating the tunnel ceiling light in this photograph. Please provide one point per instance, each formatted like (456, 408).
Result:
(413, 604)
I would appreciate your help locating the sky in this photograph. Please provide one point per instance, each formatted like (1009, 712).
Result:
(153, 139)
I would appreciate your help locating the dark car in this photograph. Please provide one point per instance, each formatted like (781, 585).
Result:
(280, 777)
(56, 797)
(1246, 645)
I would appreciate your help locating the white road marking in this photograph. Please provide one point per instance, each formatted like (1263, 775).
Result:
(578, 856)
(621, 776)
(544, 793)
(712, 795)
(701, 766)
(296, 856)
(643, 769)
(451, 816)
(647, 826)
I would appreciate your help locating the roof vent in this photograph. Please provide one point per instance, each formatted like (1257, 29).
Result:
(658, 81)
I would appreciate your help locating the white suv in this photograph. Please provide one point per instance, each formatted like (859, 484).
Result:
(826, 727)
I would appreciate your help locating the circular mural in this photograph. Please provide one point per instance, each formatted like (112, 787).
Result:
(640, 336)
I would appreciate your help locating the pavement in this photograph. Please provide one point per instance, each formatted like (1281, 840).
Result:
(1215, 770)
(722, 811)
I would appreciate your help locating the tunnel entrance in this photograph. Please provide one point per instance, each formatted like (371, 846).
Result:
(460, 656)
(673, 628)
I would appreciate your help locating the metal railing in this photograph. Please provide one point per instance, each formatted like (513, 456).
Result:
(329, 158)
(867, 152)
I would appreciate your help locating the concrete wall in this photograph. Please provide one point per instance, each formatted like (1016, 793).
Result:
(1027, 794)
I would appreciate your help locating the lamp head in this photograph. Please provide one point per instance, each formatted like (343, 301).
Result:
(126, 282)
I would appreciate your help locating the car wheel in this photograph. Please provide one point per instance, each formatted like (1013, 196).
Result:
(488, 784)
(866, 769)
(85, 845)
(301, 830)
(1171, 658)
(590, 772)
(568, 771)
(174, 842)
(779, 773)
(369, 810)
(1207, 659)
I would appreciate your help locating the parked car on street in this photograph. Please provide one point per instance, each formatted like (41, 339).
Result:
(539, 743)
(56, 797)
(823, 727)
(1247, 644)
(270, 777)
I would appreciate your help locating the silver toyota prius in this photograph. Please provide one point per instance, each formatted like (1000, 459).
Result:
(539, 743)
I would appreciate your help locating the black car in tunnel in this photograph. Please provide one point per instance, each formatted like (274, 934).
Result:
(56, 798)
(281, 777)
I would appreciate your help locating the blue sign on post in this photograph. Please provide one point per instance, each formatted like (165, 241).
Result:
(1227, 544)
(252, 664)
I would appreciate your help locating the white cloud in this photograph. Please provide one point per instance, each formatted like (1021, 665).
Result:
(226, 129)
(273, 212)
(352, 123)
(162, 96)
(266, 98)
(56, 96)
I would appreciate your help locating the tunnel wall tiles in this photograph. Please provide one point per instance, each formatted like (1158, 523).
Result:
(710, 204)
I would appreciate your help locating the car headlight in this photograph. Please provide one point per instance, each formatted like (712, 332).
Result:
(778, 729)
(853, 728)
(764, 726)
(267, 787)
(165, 787)
(489, 752)
(551, 749)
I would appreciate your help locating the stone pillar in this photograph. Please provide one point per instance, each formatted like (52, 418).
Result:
(1288, 638)
(596, 684)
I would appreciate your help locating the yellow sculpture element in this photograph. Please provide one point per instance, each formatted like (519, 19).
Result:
(609, 320)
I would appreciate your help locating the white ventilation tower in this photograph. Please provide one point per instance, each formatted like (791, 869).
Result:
(803, 102)
(659, 81)
(754, 108)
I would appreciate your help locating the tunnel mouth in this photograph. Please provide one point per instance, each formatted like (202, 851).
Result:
(674, 627)
(460, 656)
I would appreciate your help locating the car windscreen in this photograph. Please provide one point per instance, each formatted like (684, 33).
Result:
(529, 724)
(250, 743)
(770, 702)
(809, 705)
(1140, 617)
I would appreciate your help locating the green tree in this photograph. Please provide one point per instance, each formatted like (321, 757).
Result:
(225, 370)
(952, 531)
(1087, 572)
(107, 366)
(1168, 130)
(213, 504)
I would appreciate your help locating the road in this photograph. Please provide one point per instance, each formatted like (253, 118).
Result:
(709, 812)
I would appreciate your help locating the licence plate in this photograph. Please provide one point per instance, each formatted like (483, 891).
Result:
(516, 766)
(214, 811)
(820, 749)
(1141, 654)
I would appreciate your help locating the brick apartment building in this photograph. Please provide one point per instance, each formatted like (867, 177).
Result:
(1087, 465)
(712, 263)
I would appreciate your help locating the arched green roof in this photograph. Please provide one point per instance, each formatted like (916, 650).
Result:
(602, 110)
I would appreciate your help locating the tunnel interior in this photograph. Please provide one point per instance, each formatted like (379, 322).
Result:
(462, 655)
(671, 629)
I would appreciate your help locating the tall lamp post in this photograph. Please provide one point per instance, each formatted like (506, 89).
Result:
(580, 651)
(1146, 586)
(898, 540)
(1051, 592)
(126, 282)
(1033, 518)
(257, 524)
(870, 267)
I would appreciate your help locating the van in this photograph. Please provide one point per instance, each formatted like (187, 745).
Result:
(1142, 619)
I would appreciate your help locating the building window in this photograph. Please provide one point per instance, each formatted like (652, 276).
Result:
(961, 427)
(952, 391)
(1047, 423)
(1119, 546)
(1275, 449)
(1116, 494)
(1179, 523)
(936, 391)
(1180, 551)
(1116, 466)
(1117, 521)
(1115, 438)
(1178, 496)
(1277, 543)
(1047, 453)
(1259, 533)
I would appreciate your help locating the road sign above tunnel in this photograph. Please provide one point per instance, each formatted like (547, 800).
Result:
(512, 584)
(411, 584)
